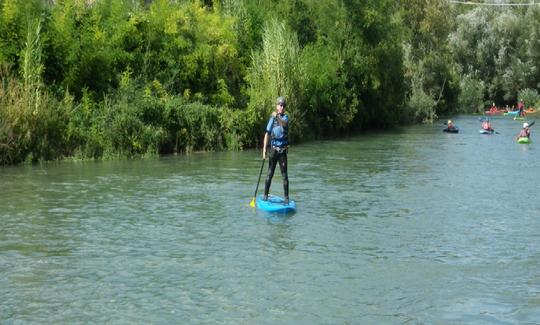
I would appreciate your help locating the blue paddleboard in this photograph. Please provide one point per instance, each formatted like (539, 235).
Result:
(275, 204)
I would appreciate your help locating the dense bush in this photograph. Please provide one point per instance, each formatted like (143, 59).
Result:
(31, 128)
(529, 97)
(471, 98)
(494, 46)
(98, 79)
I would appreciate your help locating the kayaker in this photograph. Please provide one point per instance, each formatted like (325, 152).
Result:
(277, 136)
(525, 132)
(450, 125)
(493, 109)
(486, 125)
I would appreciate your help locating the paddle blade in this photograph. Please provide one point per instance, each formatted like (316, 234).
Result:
(252, 203)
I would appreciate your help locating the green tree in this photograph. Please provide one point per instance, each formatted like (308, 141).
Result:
(488, 45)
(429, 65)
(471, 98)
(531, 45)
(373, 61)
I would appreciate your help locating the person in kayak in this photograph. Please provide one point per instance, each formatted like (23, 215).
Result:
(486, 125)
(525, 132)
(450, 126)
(277, 136)
(493, 109)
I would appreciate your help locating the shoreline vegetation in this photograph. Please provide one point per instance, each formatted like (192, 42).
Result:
(107, 79)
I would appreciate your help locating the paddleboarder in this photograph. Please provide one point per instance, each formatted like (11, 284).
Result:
(521, 108)
(276, 136)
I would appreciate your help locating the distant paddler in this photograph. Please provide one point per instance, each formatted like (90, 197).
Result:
(524, 135)
(450, 127)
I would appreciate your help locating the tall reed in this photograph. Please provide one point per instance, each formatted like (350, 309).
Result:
(32, 124)
(276, 71)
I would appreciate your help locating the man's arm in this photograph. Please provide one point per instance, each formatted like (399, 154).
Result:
(283, 122)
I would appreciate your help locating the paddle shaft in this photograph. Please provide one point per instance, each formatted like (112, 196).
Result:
(259, 180)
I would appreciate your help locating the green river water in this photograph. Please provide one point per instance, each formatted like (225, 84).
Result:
(411, 226)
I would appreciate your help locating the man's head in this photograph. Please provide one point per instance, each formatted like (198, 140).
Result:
(280, 104)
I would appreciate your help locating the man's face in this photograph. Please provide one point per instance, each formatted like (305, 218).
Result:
(280, 107)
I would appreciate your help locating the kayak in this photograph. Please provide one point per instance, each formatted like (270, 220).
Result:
(275, 204)
(524, 140)
(512, 113)
(487, 131)
(497, 112)
(454, 130)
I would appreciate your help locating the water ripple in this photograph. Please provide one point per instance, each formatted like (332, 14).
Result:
(409, 227)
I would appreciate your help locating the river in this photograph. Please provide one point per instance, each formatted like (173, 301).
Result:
(410, 226)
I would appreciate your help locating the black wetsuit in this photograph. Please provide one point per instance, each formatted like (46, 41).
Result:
(277, 153)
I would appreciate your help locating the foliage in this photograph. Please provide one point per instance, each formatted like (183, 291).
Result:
(529, 97)
(488, 45)
(471, 95)
(31, 129)
(531, 46)
(426, 53)
(32, 123)
(325, 108)
(373, 61)
(422, 105)
(276, 71)
(99, 79)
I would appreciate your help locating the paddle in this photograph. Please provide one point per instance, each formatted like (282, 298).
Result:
(252, 203)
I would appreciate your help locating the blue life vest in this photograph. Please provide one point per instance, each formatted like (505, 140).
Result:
(278, 133)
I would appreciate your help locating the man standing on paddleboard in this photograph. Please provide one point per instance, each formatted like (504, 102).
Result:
(277, 136)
